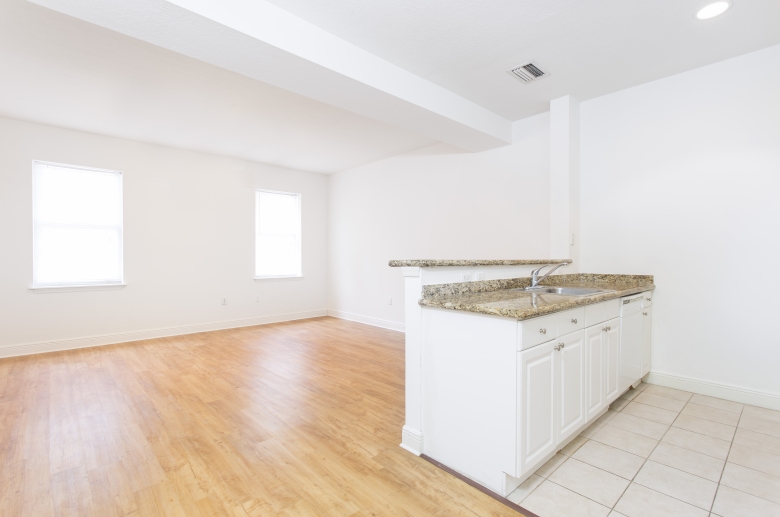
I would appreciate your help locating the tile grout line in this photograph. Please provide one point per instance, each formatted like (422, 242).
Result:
(725, 461)
(631, 481)
(579, 494)
(567, 459)
(717, 488)
(660, 441)
(741, 414)
(731, 443)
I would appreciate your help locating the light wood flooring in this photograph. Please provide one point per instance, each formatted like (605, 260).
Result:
(300, 418)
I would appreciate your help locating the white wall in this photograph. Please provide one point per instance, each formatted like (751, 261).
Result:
(681, 179)
(189, 241)
(438, 202)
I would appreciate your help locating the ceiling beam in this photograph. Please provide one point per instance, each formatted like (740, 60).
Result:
(260, 40)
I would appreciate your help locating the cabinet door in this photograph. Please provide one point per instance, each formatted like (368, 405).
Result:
(647, 322)
(536, 398)
(612, 359)
(595, 391)
(571, 383)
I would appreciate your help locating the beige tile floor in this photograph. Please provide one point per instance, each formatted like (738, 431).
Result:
(664, 452)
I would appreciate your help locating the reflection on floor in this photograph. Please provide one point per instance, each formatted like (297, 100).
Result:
(664, 452)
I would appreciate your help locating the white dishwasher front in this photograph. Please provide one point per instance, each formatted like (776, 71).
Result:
(630, 341)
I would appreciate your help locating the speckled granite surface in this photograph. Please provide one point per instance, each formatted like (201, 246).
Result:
(443, 263)
(507, 298)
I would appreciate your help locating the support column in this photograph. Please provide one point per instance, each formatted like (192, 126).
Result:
(411, 435)
(565, 180)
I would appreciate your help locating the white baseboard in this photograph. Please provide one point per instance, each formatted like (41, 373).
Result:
(412, 440)
(376, 322)
(713, 389)
(70, 344)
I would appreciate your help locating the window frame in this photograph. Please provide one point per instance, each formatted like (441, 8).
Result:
(299, 197)
(85, 286)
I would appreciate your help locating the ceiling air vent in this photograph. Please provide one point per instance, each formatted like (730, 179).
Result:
(528, 72)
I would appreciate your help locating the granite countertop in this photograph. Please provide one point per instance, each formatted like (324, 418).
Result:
(443, 263)
(507, 297)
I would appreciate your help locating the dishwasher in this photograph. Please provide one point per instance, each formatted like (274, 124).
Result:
(630, 341)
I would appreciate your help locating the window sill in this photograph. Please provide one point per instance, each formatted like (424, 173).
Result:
(267, 278)
(77, 288)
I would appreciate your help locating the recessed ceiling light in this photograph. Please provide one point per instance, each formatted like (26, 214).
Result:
(712, 10)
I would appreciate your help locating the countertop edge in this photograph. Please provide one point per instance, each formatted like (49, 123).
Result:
(450, 263)
(528, 314)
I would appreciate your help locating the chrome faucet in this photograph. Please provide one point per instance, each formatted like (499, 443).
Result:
(535, 280)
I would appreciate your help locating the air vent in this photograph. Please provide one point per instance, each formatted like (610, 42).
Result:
(528, 72)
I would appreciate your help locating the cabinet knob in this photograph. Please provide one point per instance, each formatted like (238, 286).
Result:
(604, 329)
(644, 313)
(560, 345)
(542, 331)
(574, 321)
(649, 299)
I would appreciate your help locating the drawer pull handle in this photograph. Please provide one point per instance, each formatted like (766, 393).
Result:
(542, 331)
(574, 321)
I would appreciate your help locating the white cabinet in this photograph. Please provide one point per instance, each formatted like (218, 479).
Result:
(537, 383)
(500, 396)
(595, 363)
(571, 384)
(571, 320)
(647, 322)
(602, 352)
(538, 330)
(551, 396)
(612, 359)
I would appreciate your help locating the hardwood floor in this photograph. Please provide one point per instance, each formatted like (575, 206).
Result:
(299, 418)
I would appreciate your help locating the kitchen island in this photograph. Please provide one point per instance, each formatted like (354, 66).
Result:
(499, 376)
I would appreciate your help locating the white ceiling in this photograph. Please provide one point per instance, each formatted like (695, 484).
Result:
(435, 68)
(591, 48)
(62, 71)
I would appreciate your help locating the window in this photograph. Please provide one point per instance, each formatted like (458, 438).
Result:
(77, 226)
(277, 234)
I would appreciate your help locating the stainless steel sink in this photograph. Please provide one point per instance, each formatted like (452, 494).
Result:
(566, 291)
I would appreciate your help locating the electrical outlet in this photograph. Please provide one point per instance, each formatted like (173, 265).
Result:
(465, 277)
(224, 301)
(389, 301)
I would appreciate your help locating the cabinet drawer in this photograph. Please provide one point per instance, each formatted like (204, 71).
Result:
(647, 300)
(595, 314)
(611, 309)
(571, 320)
(537, 330)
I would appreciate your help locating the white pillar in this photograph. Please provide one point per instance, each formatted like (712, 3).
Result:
(565, 180)
(411, 435)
